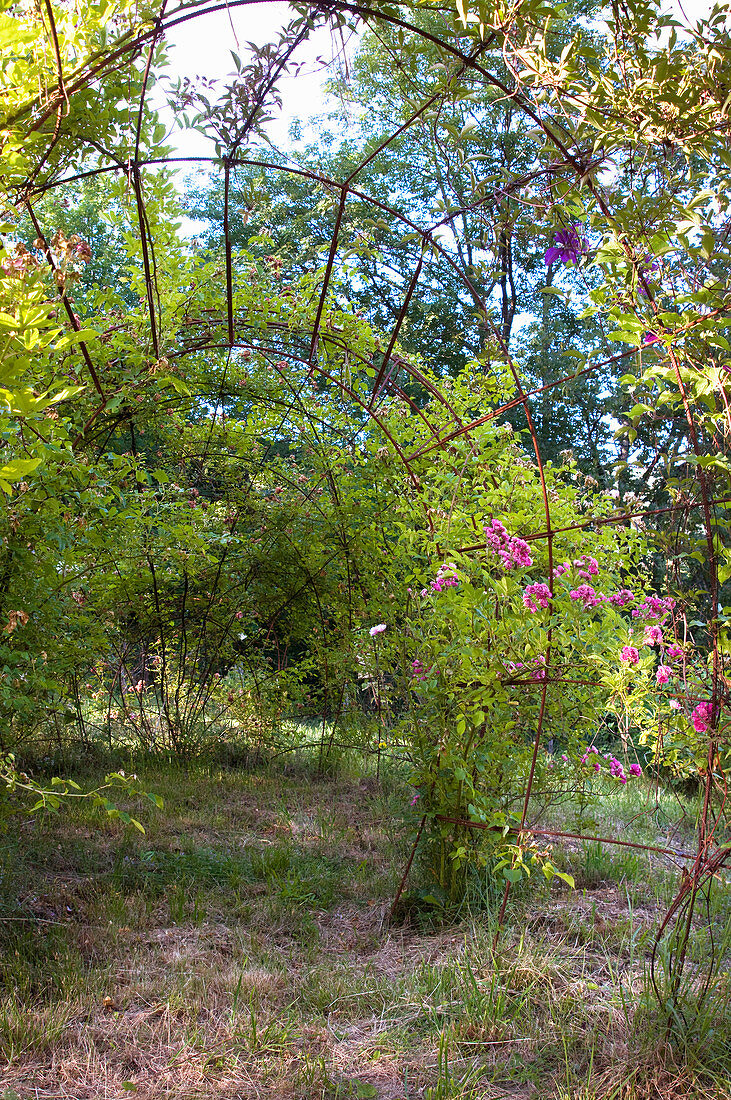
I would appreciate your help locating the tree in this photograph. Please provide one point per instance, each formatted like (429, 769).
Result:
(442, 170)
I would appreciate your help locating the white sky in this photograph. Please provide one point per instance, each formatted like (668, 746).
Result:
(201, 47)
(689, 10)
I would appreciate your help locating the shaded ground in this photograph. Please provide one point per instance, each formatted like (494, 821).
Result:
(241, 949)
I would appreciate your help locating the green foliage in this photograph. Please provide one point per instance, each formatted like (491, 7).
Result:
(58, 792)
(223, 504)
(486, 288)
(478, 667)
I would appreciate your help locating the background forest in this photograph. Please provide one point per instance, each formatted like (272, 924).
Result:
(365, 555)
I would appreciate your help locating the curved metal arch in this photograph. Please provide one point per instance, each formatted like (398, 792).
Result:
(707, 859)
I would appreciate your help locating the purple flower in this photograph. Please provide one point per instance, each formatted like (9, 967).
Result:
(419, 671)
(650, 338)
(619, 599)
(654, 607)
(663, 674)
(592, 751)
(496, 535)
(536, 595)
(675, 652)
(644, 269)
(653, 635)
(538, 673)
(446, 577)
(616, 770)
(590, 567)
(377, 630)
(511, 550)
(587, 595)
(568, 246)
(701, 717)
(629, 654)
(517, 553)
(635, 769)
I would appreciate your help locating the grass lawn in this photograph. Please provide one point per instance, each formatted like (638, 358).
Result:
(241, 948)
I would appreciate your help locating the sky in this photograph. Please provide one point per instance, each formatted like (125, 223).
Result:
(689, 10)
(202, 47)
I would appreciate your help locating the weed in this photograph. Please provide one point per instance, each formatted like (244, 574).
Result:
(240, 946)
(604, 863)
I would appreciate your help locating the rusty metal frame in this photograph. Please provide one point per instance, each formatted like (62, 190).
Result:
(710, 855)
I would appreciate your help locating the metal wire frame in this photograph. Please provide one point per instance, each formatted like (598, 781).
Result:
(709, 856)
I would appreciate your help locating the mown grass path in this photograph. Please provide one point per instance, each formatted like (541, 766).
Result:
(240, 949)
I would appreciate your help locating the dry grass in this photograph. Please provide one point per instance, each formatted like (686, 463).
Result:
(241, 950)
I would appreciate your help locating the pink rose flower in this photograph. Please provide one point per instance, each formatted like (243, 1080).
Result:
(701, 717)
(537, 595)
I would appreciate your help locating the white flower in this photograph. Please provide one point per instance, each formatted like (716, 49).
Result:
(377, 629)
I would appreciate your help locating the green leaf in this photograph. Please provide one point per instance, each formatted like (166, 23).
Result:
(65, 393)
(15, 471)
(177, 383)
(18, 468)
(85, 334)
